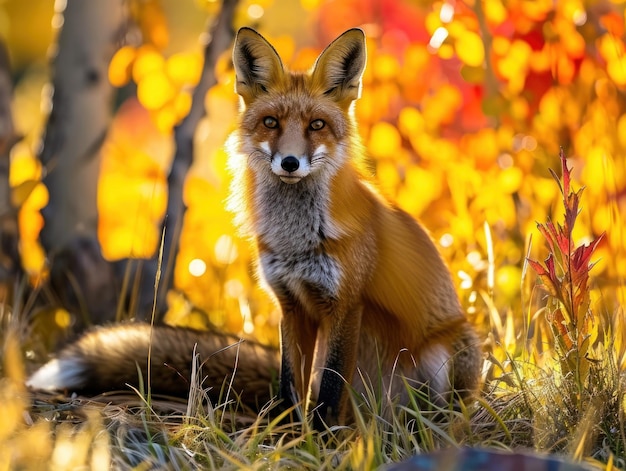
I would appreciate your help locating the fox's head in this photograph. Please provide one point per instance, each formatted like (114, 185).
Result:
(297, 124)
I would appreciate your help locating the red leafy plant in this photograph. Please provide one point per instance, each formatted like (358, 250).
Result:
(565, 276)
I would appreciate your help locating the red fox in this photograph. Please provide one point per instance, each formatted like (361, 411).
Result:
(363, 292)
(359, 282)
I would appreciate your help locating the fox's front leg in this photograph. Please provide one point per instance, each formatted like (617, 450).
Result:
(297, 346)
(340, 331)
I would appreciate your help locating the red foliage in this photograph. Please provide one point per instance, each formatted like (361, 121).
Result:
(569, 284)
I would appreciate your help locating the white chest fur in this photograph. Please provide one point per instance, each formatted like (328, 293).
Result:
(292, 223)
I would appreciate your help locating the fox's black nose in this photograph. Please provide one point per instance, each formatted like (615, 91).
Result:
(290, 164)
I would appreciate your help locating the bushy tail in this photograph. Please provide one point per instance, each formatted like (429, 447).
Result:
(108, 358)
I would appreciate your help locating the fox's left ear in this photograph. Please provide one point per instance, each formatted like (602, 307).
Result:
(257, 64)
(339, 67)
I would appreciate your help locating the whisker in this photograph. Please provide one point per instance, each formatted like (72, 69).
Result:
(256, 153)
(319, 157)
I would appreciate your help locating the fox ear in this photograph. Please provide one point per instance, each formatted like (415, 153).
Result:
(257, 64)
(339, 67)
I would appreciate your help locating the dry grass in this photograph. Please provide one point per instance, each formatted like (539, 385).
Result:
(567, 399)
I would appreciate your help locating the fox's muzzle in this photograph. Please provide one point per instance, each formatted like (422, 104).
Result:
(290, 169)
(290, 164)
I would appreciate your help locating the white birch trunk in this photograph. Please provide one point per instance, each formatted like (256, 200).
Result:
(76, 128)
(78, 123)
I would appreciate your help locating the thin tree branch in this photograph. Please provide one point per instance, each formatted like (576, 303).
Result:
(218, 40)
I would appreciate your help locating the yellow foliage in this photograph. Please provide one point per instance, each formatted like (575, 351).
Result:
(510, 180)
(155, 89)
(385, 67)
(152, 22)
(446, 51)
(542, 60)
(616, 68)
(148, 61)
(514, 64)
(432, 21)
(421, 188)
(410, 121)
(550, 108)
(469, 48)
(495, 12)
(442, 107)
(225, 250)
(120, 68)
(140, 241)
(184, 68)
(384, 140)
(596, 171)
(416, 57)
(621, 130)
(30, 223)
(536, 10)
(182, 105)
(161, 82)
(482, 147)
(24, 165)
(388, 176)
(457, 29)
(571, 40)
(500, 45)
(610, 47)
(22, 192)
(310, 5)
(165, 118)
(32, 253)
(133, 233)
(284, 45)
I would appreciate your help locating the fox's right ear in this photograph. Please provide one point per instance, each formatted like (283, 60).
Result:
(338, 69)
(257, 64)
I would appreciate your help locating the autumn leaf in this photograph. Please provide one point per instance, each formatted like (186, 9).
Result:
(546, 275)
(559, 323)
(20, 193)
(582, 255)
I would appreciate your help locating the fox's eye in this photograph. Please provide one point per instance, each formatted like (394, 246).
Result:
(270, 122)
(317, 124)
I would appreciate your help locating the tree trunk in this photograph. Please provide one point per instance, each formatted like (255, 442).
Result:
(219, 40)
(77, 126)
(9, 255)
(71, 155)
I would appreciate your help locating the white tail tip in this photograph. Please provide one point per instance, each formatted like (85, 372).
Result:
(58, 374)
